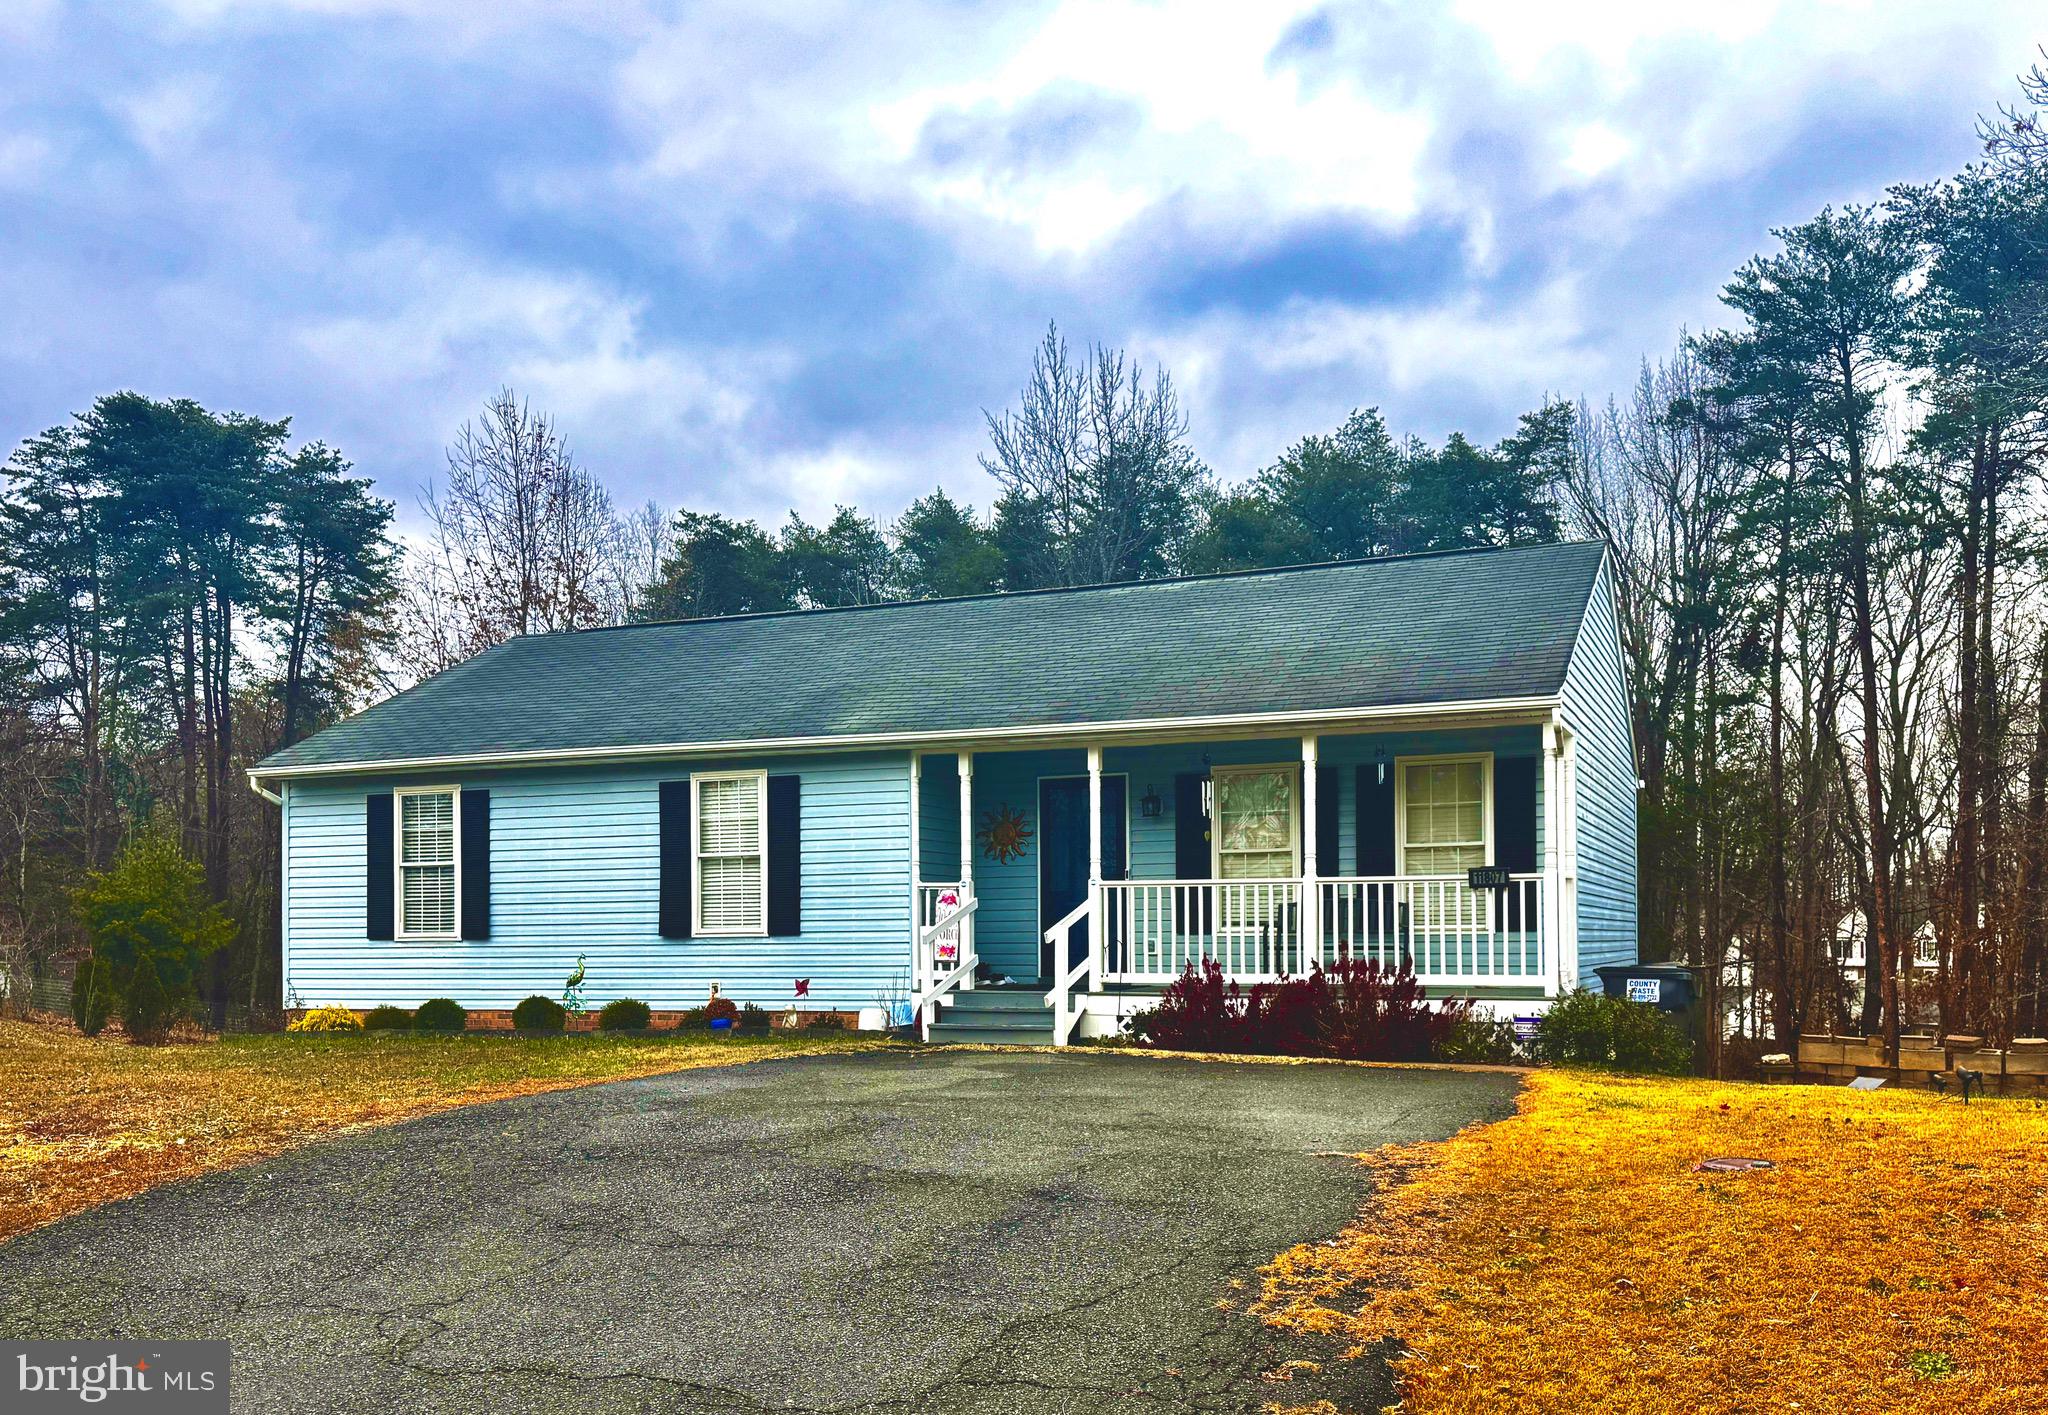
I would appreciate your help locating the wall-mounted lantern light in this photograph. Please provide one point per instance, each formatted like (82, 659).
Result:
(1379, 762)
(1149, 805)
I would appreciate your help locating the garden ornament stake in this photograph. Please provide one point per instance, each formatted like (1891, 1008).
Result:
(572, 991)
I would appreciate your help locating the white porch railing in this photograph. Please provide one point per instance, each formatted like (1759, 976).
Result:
(945, 955)
(1263, 929)
(1067, 975)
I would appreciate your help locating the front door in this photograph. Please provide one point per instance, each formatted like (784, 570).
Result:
(1063, 854)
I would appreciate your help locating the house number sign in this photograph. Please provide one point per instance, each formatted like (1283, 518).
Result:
(1486, 877)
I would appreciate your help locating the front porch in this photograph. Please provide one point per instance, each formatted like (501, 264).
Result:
(1069, 885)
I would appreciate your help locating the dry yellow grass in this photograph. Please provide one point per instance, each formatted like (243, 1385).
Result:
(1571, 1259)
(83, 1122)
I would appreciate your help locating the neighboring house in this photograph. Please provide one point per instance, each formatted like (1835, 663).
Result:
(1852, 959)
(1850, 952)
(1082, 790)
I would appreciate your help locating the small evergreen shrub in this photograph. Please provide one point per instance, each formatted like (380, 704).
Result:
(146, 1012)
(539, 1014)
(627, 1014)
(327, 1019)
(826, 1022)
(440, 1014)
(387, 1018)
(1586, 1028)
(1484, 1040)
(721, 1007)
(753, 1019)
(153, 904)
(92, 995)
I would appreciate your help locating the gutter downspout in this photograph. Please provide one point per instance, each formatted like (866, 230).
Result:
(256, 785)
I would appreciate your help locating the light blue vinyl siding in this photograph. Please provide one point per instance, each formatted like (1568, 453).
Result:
(1596, 709)
(575, 869)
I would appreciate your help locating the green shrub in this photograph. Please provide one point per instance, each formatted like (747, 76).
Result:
(1586, 1028)
(327, 1019)
(1485, 1040)
(146, 1013)
(539, 1014)
(92, 996)
(627, 1014)
(440, 1014)
(753, 1019)
(387, 1019)
(153, 905)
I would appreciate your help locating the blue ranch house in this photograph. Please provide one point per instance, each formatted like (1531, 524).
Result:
(1014, 816)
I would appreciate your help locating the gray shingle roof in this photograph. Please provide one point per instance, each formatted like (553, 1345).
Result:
(1405, 630)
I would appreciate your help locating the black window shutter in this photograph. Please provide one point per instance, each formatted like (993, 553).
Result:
(785, 857)
(476, 863)
(1327, 862)
(378, 868)
(1514, 813)
(675, 859)
(1375, 821)
(1190, 828)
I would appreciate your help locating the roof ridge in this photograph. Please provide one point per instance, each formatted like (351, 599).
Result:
(1050, 590)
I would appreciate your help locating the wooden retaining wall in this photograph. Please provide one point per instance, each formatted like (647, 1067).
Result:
(2021, 1069)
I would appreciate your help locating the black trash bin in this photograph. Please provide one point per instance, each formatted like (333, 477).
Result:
(1668, 987)
(1671, 988)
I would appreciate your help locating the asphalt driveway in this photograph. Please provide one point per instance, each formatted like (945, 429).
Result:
(899, 1231)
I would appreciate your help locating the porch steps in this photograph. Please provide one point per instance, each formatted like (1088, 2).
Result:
(1002, 1016)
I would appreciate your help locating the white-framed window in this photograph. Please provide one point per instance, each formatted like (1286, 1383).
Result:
(1255, 821)
(1444, 808)
(429, 868)
(729, 848)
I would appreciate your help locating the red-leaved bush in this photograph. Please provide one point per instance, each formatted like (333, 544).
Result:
(1354, 1009)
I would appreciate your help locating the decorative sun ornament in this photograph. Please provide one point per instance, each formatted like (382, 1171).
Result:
(1003, 834)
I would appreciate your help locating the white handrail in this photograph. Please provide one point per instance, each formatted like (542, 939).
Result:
(927, 999)
(1065, 973)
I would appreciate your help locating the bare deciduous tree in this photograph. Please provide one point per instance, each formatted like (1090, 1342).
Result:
(1099, 452)
(521, 540)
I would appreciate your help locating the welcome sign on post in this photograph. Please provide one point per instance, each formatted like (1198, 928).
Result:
(946, 947)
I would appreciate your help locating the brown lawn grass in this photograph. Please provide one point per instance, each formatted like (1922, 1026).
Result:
(1571, 1259)
(85, 1121)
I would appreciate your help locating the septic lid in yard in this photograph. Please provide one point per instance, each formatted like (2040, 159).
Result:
(1731, 1164)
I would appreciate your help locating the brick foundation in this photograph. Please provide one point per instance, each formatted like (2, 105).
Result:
(499, 1019)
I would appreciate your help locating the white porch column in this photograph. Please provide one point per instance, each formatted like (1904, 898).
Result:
(1568, 903)
(968, 944)
(1311, 892)
(1094, 815)
(1095, 919)
(966, 770)
(917, 971)
(1553, 956)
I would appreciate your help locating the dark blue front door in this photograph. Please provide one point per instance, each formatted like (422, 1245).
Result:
(1063, 853)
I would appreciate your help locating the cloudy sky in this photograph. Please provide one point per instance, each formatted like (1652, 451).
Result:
(752, 262)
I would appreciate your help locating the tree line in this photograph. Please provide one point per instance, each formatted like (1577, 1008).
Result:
(1823, 518)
